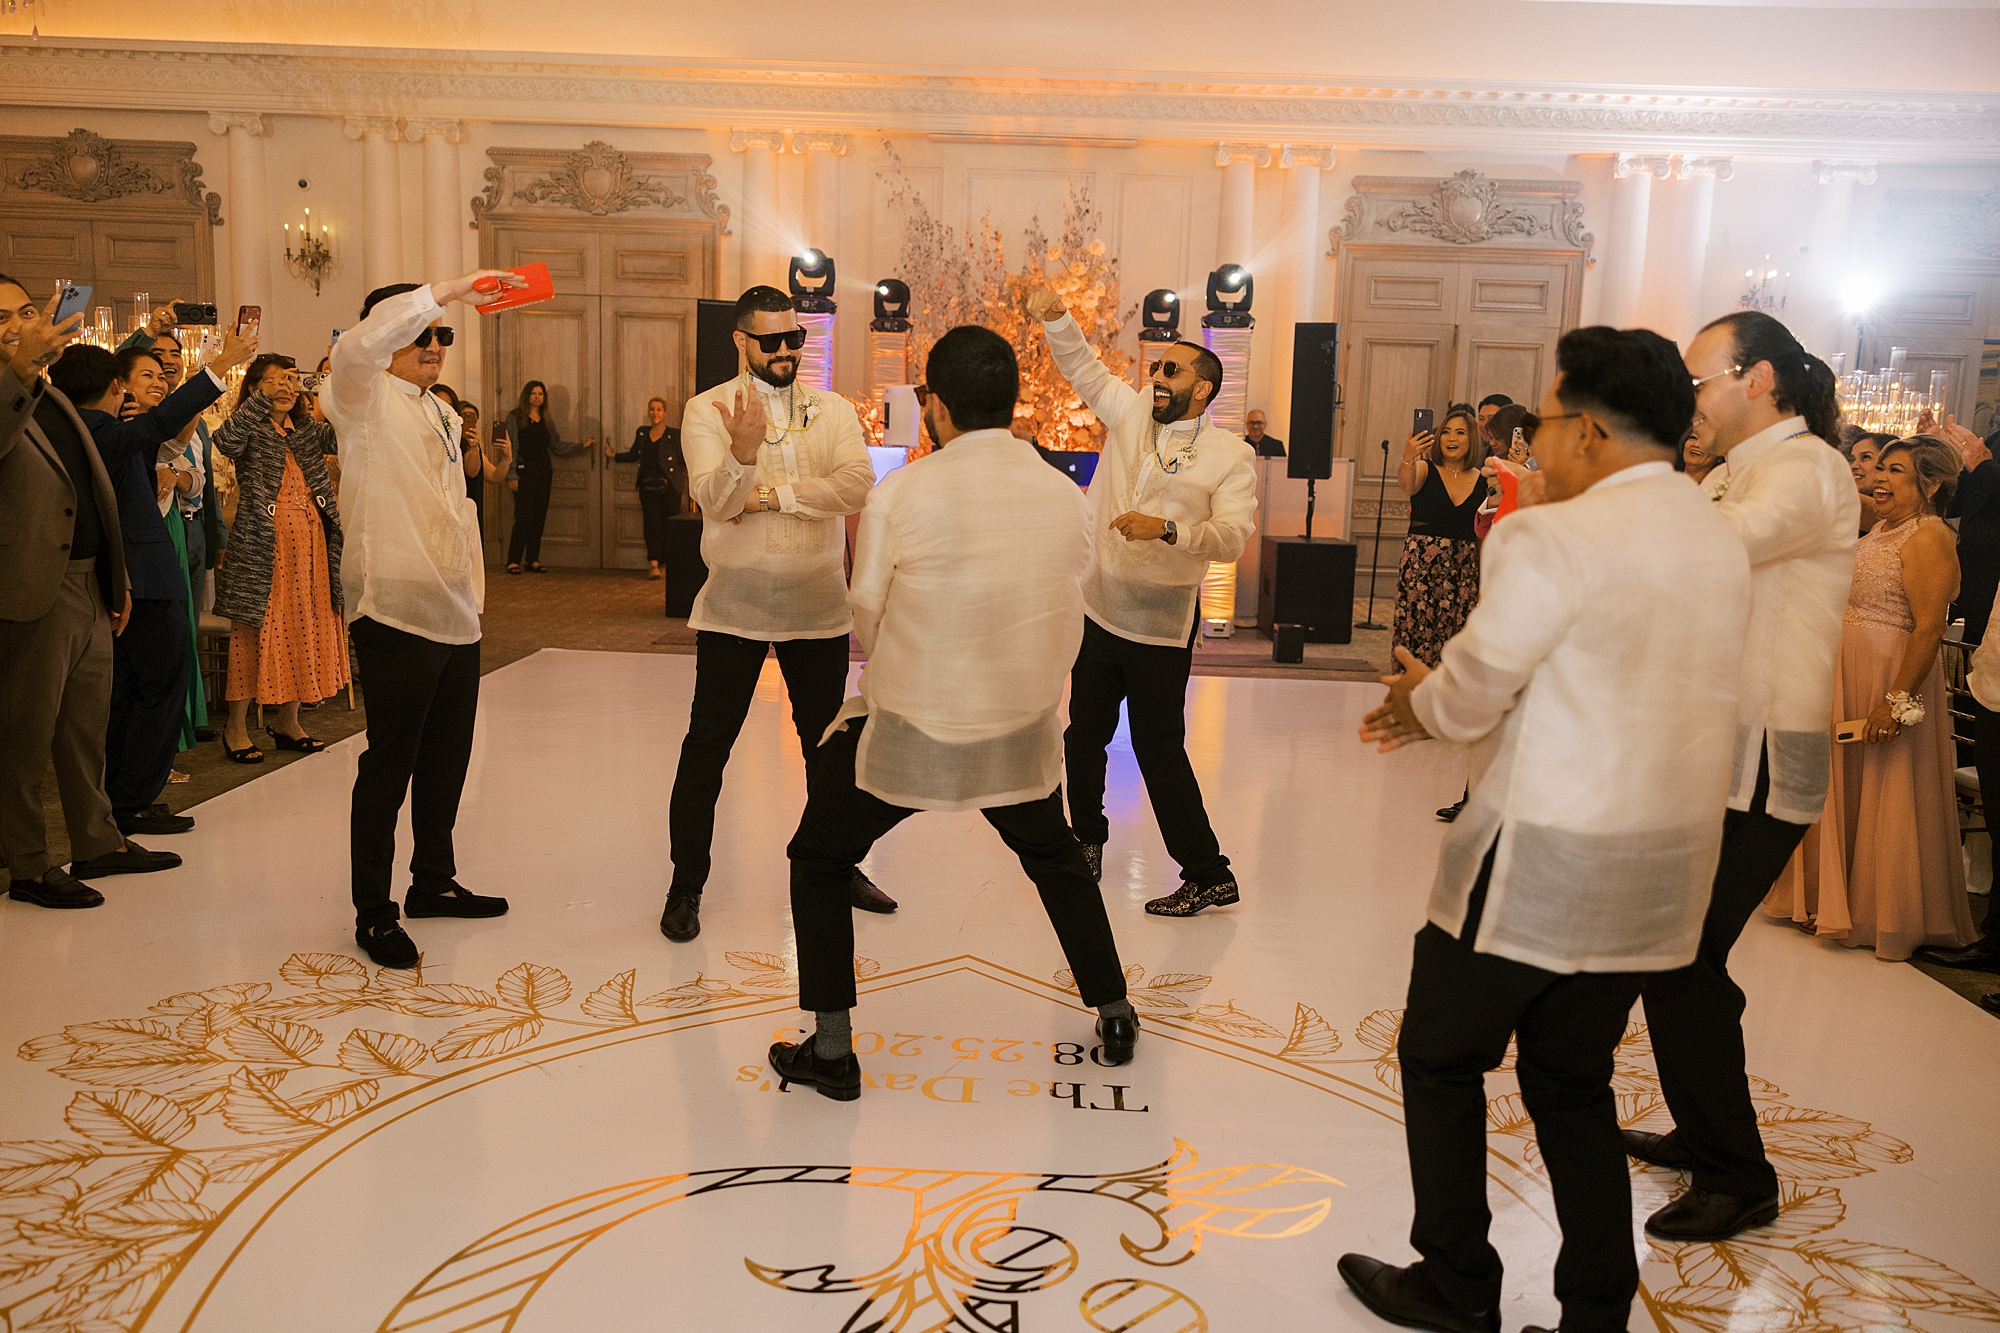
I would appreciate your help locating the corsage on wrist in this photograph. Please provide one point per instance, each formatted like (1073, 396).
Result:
(1906, 708)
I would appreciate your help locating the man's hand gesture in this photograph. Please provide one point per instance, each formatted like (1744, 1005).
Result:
(1394, 724)
(466, 288)
(745, 425)
(1042, 303)
(43, 341)
(162, 321)
(237, 350)
(1972, 450)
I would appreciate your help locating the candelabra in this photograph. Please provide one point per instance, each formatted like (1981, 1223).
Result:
(1887, 400)
(312, 261)
(1763, 292)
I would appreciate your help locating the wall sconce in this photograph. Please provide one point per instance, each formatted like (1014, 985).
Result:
(309, 255)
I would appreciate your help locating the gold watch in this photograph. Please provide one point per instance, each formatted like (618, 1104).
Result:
(765, 495)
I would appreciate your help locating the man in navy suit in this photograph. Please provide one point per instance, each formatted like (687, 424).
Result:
(152, 658)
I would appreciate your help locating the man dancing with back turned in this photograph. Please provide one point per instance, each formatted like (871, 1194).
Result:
(1173, 491)
(965, 598)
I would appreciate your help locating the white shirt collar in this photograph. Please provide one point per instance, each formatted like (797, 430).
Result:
(1637, 472)
(765, 387)
(1187, 426)
(404, 387)
(1749, 451)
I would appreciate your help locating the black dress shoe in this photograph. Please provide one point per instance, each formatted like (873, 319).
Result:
(156, 819)
(389, 945)
(1978, 956)
(1191, 897)
(1093, 856)
(1657, 1149)
(862, 893)
(131, 860)
(1405, 1296)
(1990, 1002)
(1451, 812)
(1119, 1036)
(681, 921)
(800, 1063)
(56, 888)
(451, 899)
(1702, 1215)
(206, 733)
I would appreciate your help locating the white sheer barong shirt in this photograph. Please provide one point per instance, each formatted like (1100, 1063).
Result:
(968, 602)
(412, 558)
(779, 574)
(1148, 591)
(1596, 682)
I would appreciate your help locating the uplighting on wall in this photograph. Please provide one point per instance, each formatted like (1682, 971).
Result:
(309, 254)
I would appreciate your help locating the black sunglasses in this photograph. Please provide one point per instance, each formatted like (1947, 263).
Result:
(768, 343)
(444, 334)
(923, 392)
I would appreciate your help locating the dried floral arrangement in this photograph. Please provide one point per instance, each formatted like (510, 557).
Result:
(956, 280)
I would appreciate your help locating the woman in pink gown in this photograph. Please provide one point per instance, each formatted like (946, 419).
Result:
(1881, 869)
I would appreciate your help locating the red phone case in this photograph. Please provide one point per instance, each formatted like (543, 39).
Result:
(541, 287)
(1510, 495)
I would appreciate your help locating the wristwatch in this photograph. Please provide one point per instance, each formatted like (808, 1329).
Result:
(1171, 535)
(765, 497)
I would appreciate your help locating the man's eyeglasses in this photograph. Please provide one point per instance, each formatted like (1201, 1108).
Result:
(769, 343)
(1733, 370)
(923, 392)
(444, 334)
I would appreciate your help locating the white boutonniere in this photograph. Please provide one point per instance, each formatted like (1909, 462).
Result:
(1906, 708)
(1720, 491)
(810, 413)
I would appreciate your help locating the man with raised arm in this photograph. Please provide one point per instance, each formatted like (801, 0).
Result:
(1173, 491)
(413, 585)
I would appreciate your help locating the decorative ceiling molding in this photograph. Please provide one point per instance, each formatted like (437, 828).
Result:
(599, 180)
(1464, 209)
(90, 169)
(306, 80)
(1940, 224)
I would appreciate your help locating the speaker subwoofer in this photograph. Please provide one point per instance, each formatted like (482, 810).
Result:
(1315, 358)
(714, 345)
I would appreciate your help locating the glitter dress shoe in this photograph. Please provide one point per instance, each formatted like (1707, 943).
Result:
(801, 1063)
(452, 899)
(681, 921)
(1704, 1215)
(862, 893)
(132, 859)
(1978, 956)
(388, 944)
(1093, 857)
(1657, 1150)
(156, 819)
(56, 888)
(1405, 1296)
(1190, 898)
(1119, 1037)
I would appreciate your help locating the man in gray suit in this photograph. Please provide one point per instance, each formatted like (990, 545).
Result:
(63, 597)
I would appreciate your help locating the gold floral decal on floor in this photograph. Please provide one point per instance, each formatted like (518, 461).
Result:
(1791, 1276)
(210, 1091)
(964, 1261)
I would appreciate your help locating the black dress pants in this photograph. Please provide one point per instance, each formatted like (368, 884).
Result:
(1462, 1008)
(423, 697)
(842, 822)
(531, 512)
(1695, 1013)
(656, 506)
(725, 681)
(149, 685)
(1151, 681)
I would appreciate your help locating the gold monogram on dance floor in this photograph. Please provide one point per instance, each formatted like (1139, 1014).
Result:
(184, 1109)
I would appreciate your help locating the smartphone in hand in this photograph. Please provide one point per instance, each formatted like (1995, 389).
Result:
(248, 317)
(1423, 421)
(75, 300)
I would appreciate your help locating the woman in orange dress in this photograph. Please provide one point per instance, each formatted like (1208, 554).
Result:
(280, 585)
(1882, 869)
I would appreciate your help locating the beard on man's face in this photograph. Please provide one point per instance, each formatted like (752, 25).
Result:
(1173, 407)
(780, 370)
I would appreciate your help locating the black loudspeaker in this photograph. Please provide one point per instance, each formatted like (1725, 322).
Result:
(1309, 583)
(714, 347)
(1288, 643)
(685, 569)
(1315, 358)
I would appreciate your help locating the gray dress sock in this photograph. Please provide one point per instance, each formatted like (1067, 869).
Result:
(835, 1035)
(1116, 1009)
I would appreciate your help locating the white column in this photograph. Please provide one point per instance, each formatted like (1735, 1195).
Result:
(763, 233)
(822, 151)
(249, 208)
(1235, 231)
(1693, 218)
(381, 200)
(444, 246)
(1625, 247)
(1288, 291)
(1829, 252)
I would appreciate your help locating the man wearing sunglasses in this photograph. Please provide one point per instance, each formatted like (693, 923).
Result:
(775, 467)
(1173, 492)
(413, 584)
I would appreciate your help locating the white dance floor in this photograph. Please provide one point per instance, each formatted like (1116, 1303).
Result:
(220, 1118)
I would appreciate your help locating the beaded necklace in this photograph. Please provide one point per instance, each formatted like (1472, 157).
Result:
(443, 428)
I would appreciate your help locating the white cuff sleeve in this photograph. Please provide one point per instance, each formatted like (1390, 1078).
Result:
(788, 499)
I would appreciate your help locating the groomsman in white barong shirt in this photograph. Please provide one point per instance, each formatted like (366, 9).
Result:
(775, 466)
(1173, 491)
(1596, 683)
(967, 603)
